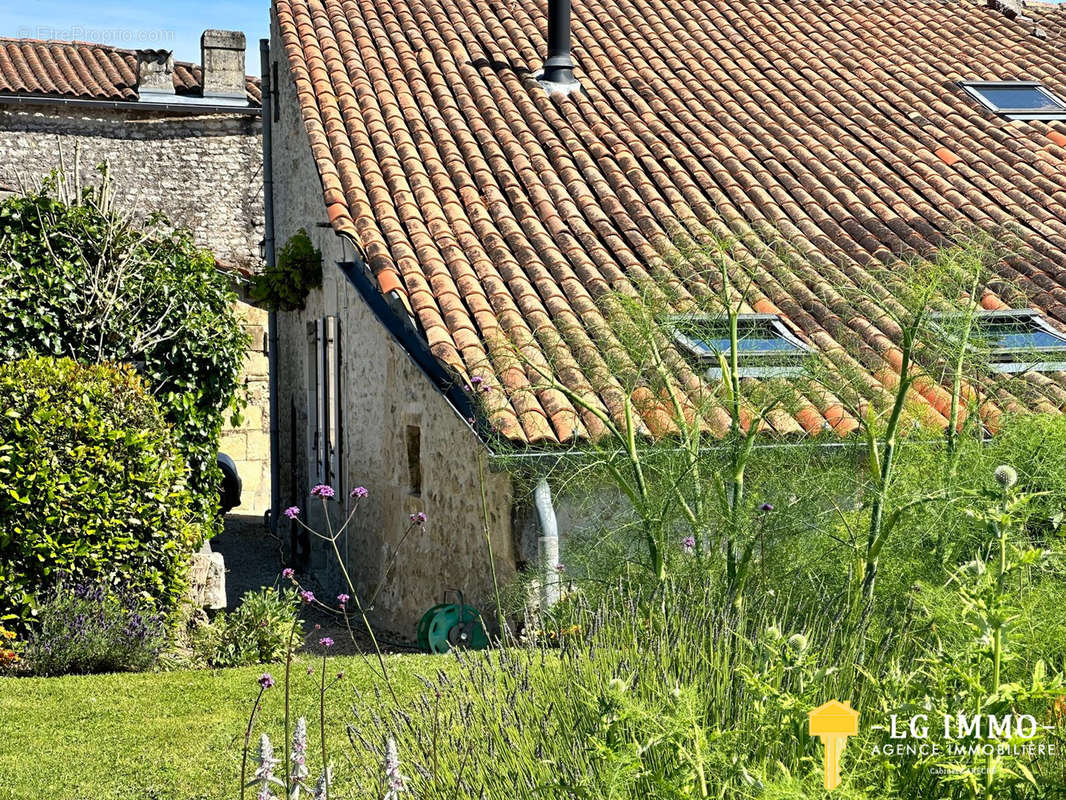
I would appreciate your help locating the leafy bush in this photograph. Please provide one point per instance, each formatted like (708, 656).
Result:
(79, 279)
(91, 485)
(89, 628)
(256, 632)
(298, 270)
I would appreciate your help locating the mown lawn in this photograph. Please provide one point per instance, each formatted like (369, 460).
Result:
(167, 735)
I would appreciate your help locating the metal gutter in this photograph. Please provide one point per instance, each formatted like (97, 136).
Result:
(193, 108)
(272, 316)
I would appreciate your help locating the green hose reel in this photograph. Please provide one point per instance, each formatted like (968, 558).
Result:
(449, 625)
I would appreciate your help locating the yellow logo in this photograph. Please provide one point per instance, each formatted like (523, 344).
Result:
(833, 723)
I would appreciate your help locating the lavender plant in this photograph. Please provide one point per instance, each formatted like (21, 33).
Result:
(89, 627)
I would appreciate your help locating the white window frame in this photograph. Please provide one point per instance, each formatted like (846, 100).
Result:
(1012, 359)
(973, 88)
(752, 364)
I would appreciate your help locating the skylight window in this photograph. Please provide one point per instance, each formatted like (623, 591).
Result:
(766, 348)
(1017, 99)
(1016, 340)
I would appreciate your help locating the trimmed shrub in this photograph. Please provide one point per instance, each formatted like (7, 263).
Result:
(256, 632)
(92, 486)
(79, 279)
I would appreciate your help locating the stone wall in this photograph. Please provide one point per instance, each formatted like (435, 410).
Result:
(385, 395)
(204, 173)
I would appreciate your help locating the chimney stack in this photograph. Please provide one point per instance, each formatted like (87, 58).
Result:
(222, 59)
(155, 72)
(557, 77)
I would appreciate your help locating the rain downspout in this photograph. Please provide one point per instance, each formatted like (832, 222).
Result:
(549, 544)
(268, 251)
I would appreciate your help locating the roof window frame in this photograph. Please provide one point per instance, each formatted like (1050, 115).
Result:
(752, 363)
(973, 89)
(1006, 359)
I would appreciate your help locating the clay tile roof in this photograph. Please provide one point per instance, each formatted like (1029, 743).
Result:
(88, 71)
(502, 214)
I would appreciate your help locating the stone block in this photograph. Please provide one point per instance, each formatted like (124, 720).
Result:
(234, 444)
(253, 418)
(207, 580)
(258, 446)
(256, 364)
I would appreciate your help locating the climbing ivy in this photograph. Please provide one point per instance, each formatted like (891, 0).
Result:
(298, 270)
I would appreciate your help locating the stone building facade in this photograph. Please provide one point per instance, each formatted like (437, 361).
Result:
(175, 142)
(398, 435)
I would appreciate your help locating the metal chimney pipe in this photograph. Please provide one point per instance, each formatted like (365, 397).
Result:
(557, 77)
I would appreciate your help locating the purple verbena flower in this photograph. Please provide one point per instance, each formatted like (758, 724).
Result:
(359, 492)
(688, 544)
(418, 518)
(307, 596)
(292, 512)
(288, 573)
(266, 680)
(476, 380)
(326, 641)
(323, 491)
(343, 599)
(766, 508)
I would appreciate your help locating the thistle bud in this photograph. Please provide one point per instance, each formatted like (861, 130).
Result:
(1005, 475)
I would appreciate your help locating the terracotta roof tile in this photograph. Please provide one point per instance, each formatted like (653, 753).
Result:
(88, 71)
(506, 218)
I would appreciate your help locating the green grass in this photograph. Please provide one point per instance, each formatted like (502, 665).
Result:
(167, 735)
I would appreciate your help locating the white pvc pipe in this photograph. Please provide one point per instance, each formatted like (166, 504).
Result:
(549, 544)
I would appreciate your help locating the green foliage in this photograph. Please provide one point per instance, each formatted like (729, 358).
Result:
(256, 632)
(92, 485)
(101, 736)
(298, 270)
(89, 628)
(81, 280)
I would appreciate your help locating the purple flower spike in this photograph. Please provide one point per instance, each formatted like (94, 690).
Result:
(359, 492)
(266, 680)
(288, 573)
(419, 518)
(292, 512)
(307, 596)
(325, 641)
(323, 491)
(688, 544)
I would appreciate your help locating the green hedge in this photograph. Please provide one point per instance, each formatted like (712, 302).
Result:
(80, 279)
(92, 485)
